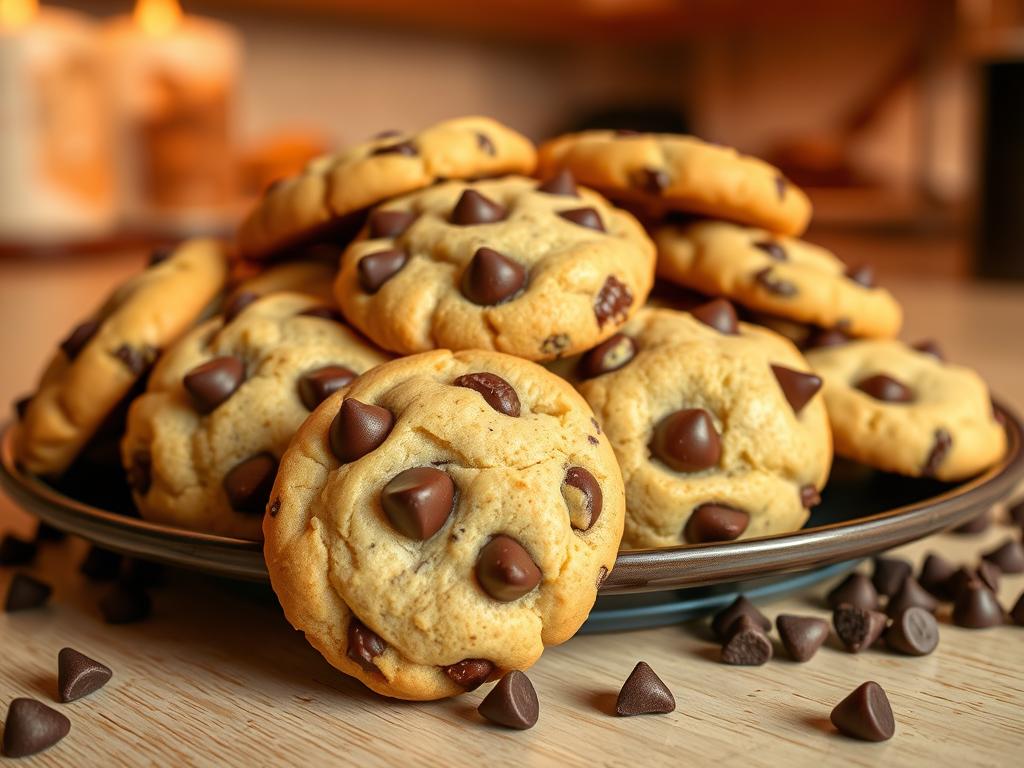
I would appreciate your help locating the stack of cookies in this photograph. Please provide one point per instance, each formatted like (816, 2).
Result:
(428, 375)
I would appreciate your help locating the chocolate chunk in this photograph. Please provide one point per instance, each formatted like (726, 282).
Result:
(316, 386)
(977, 524)
(389, 223)
(644, 693)
(470, 673)
(31, 727)
(588, 218)
(608, 356)
(809, 496)
(583, 496)
(857, 628)
(378, 267)
(486, 145)
(1017, 614)
(492, 278)
(505, 569)
(137, 359)
(797, 386)
(236, 303)
(140, 472)
(930, 347)
(562, 183)
(910, 595)
(718, 314)
(781, 185)
(418, 501)
(78, 675)
(826, 337)
(802, 636)
(935, 573)
(160, 254)
(687, 441)
(47, 533)
(213, 382)
(80, 336)
(976, 607)
(322, 312)
(775, 285)
(14, 550)
(913, 632)
(650, 180)
(26, 593)
(474, 208)
(856, 590)
(612, 301)
(885, 388)
(940, 449)
(865, 714)
(512, 702)
(21, 406)
(496, 392)
(249, 482)
(741, 606)
(748, 645)
(404, 148)
(773, 249)
(889, 574)
(358, 429)
(862, 275)
(100, 565)
(125, 604)
(364, 645)
(715, 522)
(1008, 556)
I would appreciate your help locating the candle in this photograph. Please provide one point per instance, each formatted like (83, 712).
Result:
(55, 168)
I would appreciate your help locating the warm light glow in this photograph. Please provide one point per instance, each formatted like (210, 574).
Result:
(17, 13)
(157, 17)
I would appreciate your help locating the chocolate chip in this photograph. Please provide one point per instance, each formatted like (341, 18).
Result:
(322, 312)
(826, 337)
(31, 727)
(492, 278)
(358, 429)
(364, 645)
(80, 336)
(316, 386)
(775, 285)
(125, 604)
(1017, 614)
(14, 550)
(249, 482)
(21, 406)
(809, 496)
(748, 645)
(47, 533)
(497, 392)
(856, 590)
(976, 607)
(741, 606)
(914, 632)
(404, 148)
(275, 507)
(715, 522)
(773, 249)
(865, 714)
(160, 255)
(100, 564)
(389, 223)
(889, 575)
(140, 472)
(237, 302)
(802, 636)
(910, 595)
(990, 575)
(942, 442)
(718, 314)
(555, 344)
(612, 302)
(512, 702)
(377, 268)
(857, 628)
(644, 693)
(486, 145)
(608, 356)
(470, 674)
(781, 185)
(78, 675)
(584, 500)
(584, 217)
(474, 208)
(650, 180)
(687, 441)
(213, 382)
(930, 347)
(561, 183)
(862, 275)
(505, 569)
(1008, 556)
(418, 501)
(136, 359)
(797, 386)
(935, 574)
(885, 388)
(977, 524)
(26, 593)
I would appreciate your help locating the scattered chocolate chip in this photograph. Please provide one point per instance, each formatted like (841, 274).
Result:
(100, 564)
(78, 675)
(125, 604)
(26, 593)
(588, 218)
(857, 628)
(140, 472)
(865, 714)
(748, 645)
(773, 249)
(213, 382)
(80, 336)
(886, 388)
(913, 632)
(612, 301)
(492, 278)
(160, 255)
(358, 429)
(856, 590)
(797, 386)
(14, 550)
(316, 386)
(608, 356)
(486, 145)
(910, 595)
(862, 275)
(644, 693)
(31, 727)
(809, 496)
(741, 606)
(561, 183)
(377, 268)
(687, 441)
(21, 406)
(364, 645)
(802, 636)
(1017, 614)
(781, 185)
(474, 208)
(930, 347)
(718, 314)
(137, 359)
(650, 180)
(404, 148)
(1008, 556)
(389, 223)
(418, 501)
(47, 533)
(935, 573)
(889, 575)
(976, 607)
(583, 496)
(715, 522)
(470, 674)
(497, 392)
(943, 441)
(990, 575)
(505, 569)
(236, 303)
(977, 524)
(249, 482)
(775, 285)
(512, 702)
(826, 337)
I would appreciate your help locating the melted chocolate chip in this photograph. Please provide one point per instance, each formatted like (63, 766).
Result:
(378, 267)
(608, 356)
(651, 180)
(418, 501)
(775, 285)
(470, 674)
(797, 386)
(718, 314)
(826, 337)
(364, 645)
(862, 275)
(492, 278)
(358, 429)
(885, 388)
(505, 569)
(80, 336)
(140, 472)
(561, 183)
(249, 482)
(687, 441)
(486, 145)
(213, 382)
(588, 218)
(240, 300)
(160, 255)
(583, 496)
(809, 496)
(322, 312)
(316, 386)
(136, 359)
(474, 208)
(497, 392)
(715, 522)
(555, 344)
(389, 223)
(773, 249)
(404, 148)
(612, 302)
(942, 442)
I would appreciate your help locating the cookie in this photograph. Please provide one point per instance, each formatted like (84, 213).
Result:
(313, 278)
(658, 173)
(442, 520)
(508, 264)
(203, 442)
(327, 200)
(905, 410)
(105, 356)
(717, 426)
(781, 276)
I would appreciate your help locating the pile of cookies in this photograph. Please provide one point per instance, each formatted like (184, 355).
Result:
(428, 375)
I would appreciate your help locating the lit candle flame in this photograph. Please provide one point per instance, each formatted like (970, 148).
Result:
(17, 13)
(157, 17)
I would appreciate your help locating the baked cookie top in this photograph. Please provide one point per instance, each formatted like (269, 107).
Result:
(323, 202)
(534, 270)
(782, 276)
(99, 363)
(716, 424)
(905, 410)
(203, 442)
(442, 519)
(660, 173)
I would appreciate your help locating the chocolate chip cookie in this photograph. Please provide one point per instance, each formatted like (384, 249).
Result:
(326, 202)
(203, 442)
(314, 278)
(442, 520)
(906, 410)
(717, 426)
(538, 270)
(658, 174)
(106, 355)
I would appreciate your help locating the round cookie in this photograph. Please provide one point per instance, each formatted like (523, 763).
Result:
(782, 276)
(467, 524)
(104, 357)
(507, 264)
(716, 426)
(313, 278)
(660, 173)
(203, 442)
(904, 410)
(325, 202)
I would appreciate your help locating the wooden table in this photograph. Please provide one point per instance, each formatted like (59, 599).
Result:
(217, 677)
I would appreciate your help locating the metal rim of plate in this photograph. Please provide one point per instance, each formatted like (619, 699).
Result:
(647, 570)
